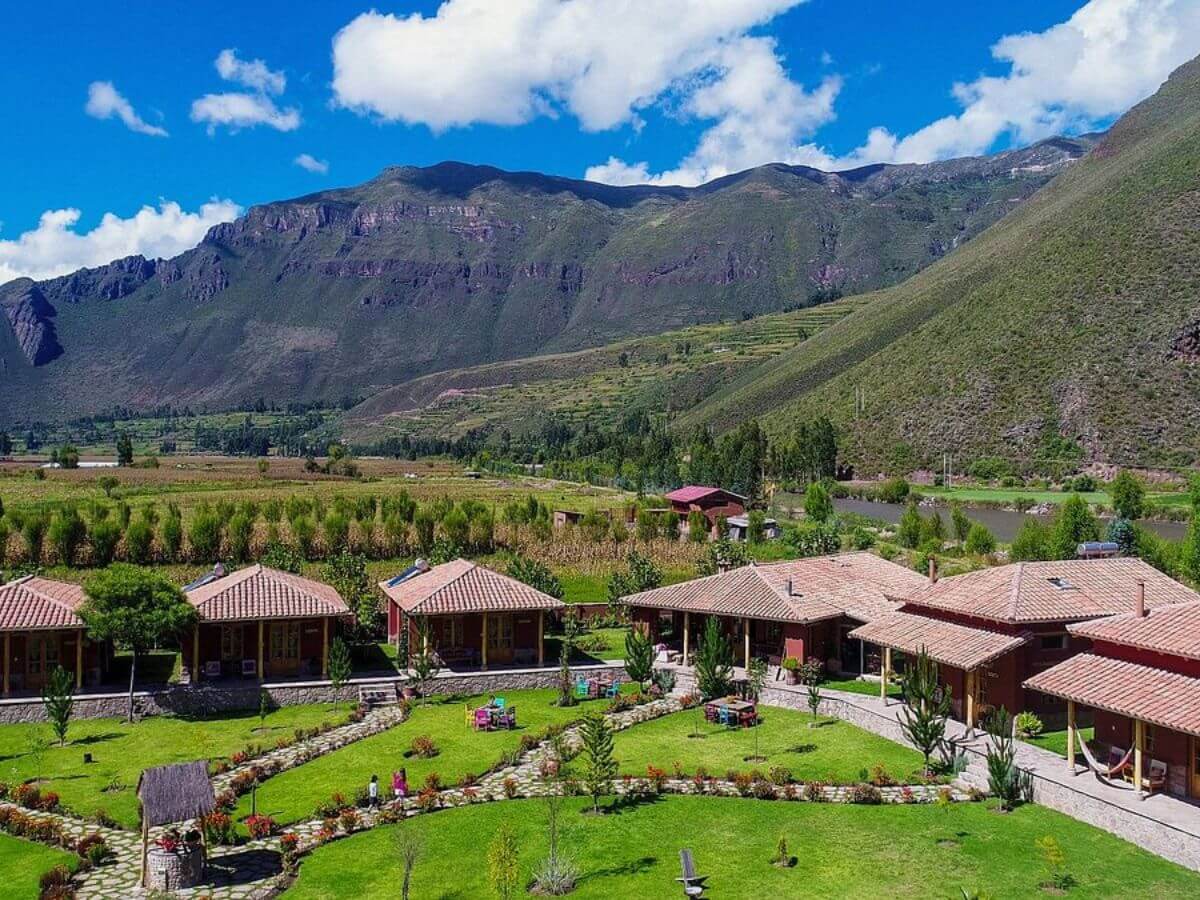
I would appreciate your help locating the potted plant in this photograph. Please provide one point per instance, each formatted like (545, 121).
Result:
(791, 666)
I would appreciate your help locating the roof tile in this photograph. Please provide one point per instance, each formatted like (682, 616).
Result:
(257, 592)
(461, 586)
(949, 643)
(1174, 630)
(32, 603)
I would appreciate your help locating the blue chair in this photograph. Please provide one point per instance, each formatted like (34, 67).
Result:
(724, 716)
(613, 689)
(581, 688)
(498, 702)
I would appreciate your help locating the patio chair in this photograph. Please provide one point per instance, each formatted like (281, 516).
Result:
(212, 668)
(748, 718)
(581, 688)
(710, 713)
(725, 716)
(483, 719)
(613, 689)
(508, 719)
(498, 702)
(1156, 778)
(1120, 763)
(693, 884)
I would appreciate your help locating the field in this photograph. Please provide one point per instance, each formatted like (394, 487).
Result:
(22, 862)
(841, 851)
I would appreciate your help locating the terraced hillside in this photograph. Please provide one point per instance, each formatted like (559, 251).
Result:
(1076, 318)
(669, 372)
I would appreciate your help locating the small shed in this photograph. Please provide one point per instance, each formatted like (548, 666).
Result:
(565, 517)
(172, 794)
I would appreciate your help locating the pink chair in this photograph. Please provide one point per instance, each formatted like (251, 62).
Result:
(483, 719)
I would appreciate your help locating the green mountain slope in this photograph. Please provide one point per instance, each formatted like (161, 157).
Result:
(350, 291)
(1076, 317)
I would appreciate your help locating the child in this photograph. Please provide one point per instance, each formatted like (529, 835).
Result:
(400, 784)
(373, 791)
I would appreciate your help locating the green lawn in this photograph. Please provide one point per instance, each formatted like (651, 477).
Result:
(835, 751)
(23, 862)
(1056, 741)
(842, 851)
(120, 751)
(294, 795)
(583, 587)
(853, 685)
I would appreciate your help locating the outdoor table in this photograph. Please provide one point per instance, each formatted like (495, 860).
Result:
(741, 708)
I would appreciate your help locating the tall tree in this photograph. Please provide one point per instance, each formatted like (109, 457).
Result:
(818, 506)
(124, 449)
(135, 608)
(1128, 495)
(1074, 524)
(714, 661)
(503, 858)
(599, 767)
(923, 719)
(639, 656)
(59, 700)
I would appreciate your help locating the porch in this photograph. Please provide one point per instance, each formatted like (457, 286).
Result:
(259, 649)
(30, 656)
(479, 641)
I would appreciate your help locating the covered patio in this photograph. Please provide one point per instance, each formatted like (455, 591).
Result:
(41, 631)
(469, 615)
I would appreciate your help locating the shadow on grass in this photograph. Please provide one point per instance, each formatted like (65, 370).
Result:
(633, 867)
(628, 802)
(96, 739)
(801, 748)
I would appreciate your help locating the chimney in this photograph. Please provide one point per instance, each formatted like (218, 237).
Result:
(1139, 606)
(932, 570)
(218, 571)
(421, 566)
(789, 587)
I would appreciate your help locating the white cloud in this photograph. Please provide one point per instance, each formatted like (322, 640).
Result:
(1074, 76)
(253, 74)
(56, 248)
(105, 101)
(237, 111)
(311, 164)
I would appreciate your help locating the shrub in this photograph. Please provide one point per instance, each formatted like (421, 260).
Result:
(814, 792)
(423, 746)
(56, 884)
(783, 857)
(865, 794)
(218, 828)
(260, 826)
(780, 775)
(980, 541)
(880, 777)
(1028, 724)
(349, 819)
(743, 782)
(763, 789)
(657, 778)
(428, 799)
(93, 848)
(510, 788)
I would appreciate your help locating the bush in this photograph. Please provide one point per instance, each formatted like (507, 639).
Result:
(865, 794)
(814, 792)
(424, 747)
(980, 541)
(218, 828)
(260, 826)
(93, 848)
(894, 490)
(56, 884)
(1028, 724)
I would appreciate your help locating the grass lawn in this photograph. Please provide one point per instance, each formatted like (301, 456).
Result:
(585, 587)
(853, 685)
(842, 851)
(294, 795)
(835, 751)
(120, 751)
(23, 862)
(1056, 741)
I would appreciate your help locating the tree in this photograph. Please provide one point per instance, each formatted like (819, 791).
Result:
(135, 608)
(818, 505)
(698, 527)
(722, 556)
(811, 674)
(503, 858)
(908, 531)
(103, 536)
(639, 656)
(340, 665)
(1032, 542)
(1004, 776)
(172, 534)
(1128, 495)
(408, 845)
(1074, 524)
(980, 540)
(599, 767)
(58, 699)
(66, 533)
(124, 449)
(959, 522)
(714, 661)
(108, 484)
(424, 662)
(347, 573)
(923, 719)
(536, 575)
(67, 457)
(557, 875)
(756, 526)
(6, 444)
(756, 679)
(204, 534)
(641, 575)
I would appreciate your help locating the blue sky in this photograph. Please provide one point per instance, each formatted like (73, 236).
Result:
(669, 90)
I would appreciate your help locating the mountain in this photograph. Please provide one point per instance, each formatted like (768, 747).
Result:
(1073, 325)
(349, 291)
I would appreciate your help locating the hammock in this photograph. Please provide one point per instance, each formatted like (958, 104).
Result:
(1104, 772)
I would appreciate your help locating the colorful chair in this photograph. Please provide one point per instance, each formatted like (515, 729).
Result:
(498, 702)
(581, 688)
(483, 719)
(508, 719)
(613, 689)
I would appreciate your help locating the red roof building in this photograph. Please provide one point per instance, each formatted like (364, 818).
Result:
(715, 503)
(41, 630)
(993, 629)
(800, 608)
(471, 615)
(1141, 683)
(260, 622)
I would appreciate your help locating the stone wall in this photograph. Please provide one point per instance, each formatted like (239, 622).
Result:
(207, 698)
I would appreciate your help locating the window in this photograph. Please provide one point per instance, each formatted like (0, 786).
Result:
(285, 640)
(231, 642)
(500, 632)
(1053, 641)
(1063, 584)
(452, 632)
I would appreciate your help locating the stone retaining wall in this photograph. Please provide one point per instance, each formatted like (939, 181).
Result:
(207, 699)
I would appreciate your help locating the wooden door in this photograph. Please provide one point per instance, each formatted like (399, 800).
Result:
(1194, 769)
(500, 638)
(41, 656)
(285, 648)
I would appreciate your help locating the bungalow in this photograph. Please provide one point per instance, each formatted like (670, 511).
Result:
(715, 503)
(259, 623)
(801, 608)
(473, 615)
(1141, 681)
(42, 629)
(993, 629)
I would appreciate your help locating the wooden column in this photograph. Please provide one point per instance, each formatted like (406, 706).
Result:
(325, 648)
(971, 679)
(1071, 736)
(541, 637)
(7, 658)
(884, 672)
(197, 669)
(483, 651)
(686, 628)
(79, 659)
(746, 629)
(1139, 747)
(261, 674)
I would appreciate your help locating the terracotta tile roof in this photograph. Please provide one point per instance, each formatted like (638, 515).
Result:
(1066, 590)
(1126, 688)
(32, 603)
(461, 586)
(1174, 630)
(257, 592)
(694, 492)
(961, 646)
(860, 585)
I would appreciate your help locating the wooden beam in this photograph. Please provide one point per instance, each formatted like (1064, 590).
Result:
(197, 669)
(483, 652)
(325, 648)
(261, 674)
(1071, 736)
(7, 659)
(686, 628)
(1139, 748)
(972, 678)
(541, 637)
(746, 629)
(884, 671)
(79, 659)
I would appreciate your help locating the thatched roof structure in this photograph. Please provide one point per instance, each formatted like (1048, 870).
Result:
(175, 793)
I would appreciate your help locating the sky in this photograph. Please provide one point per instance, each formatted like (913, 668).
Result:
(136, 131)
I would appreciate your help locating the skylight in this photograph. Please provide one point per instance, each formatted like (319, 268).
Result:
(1063, 584)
